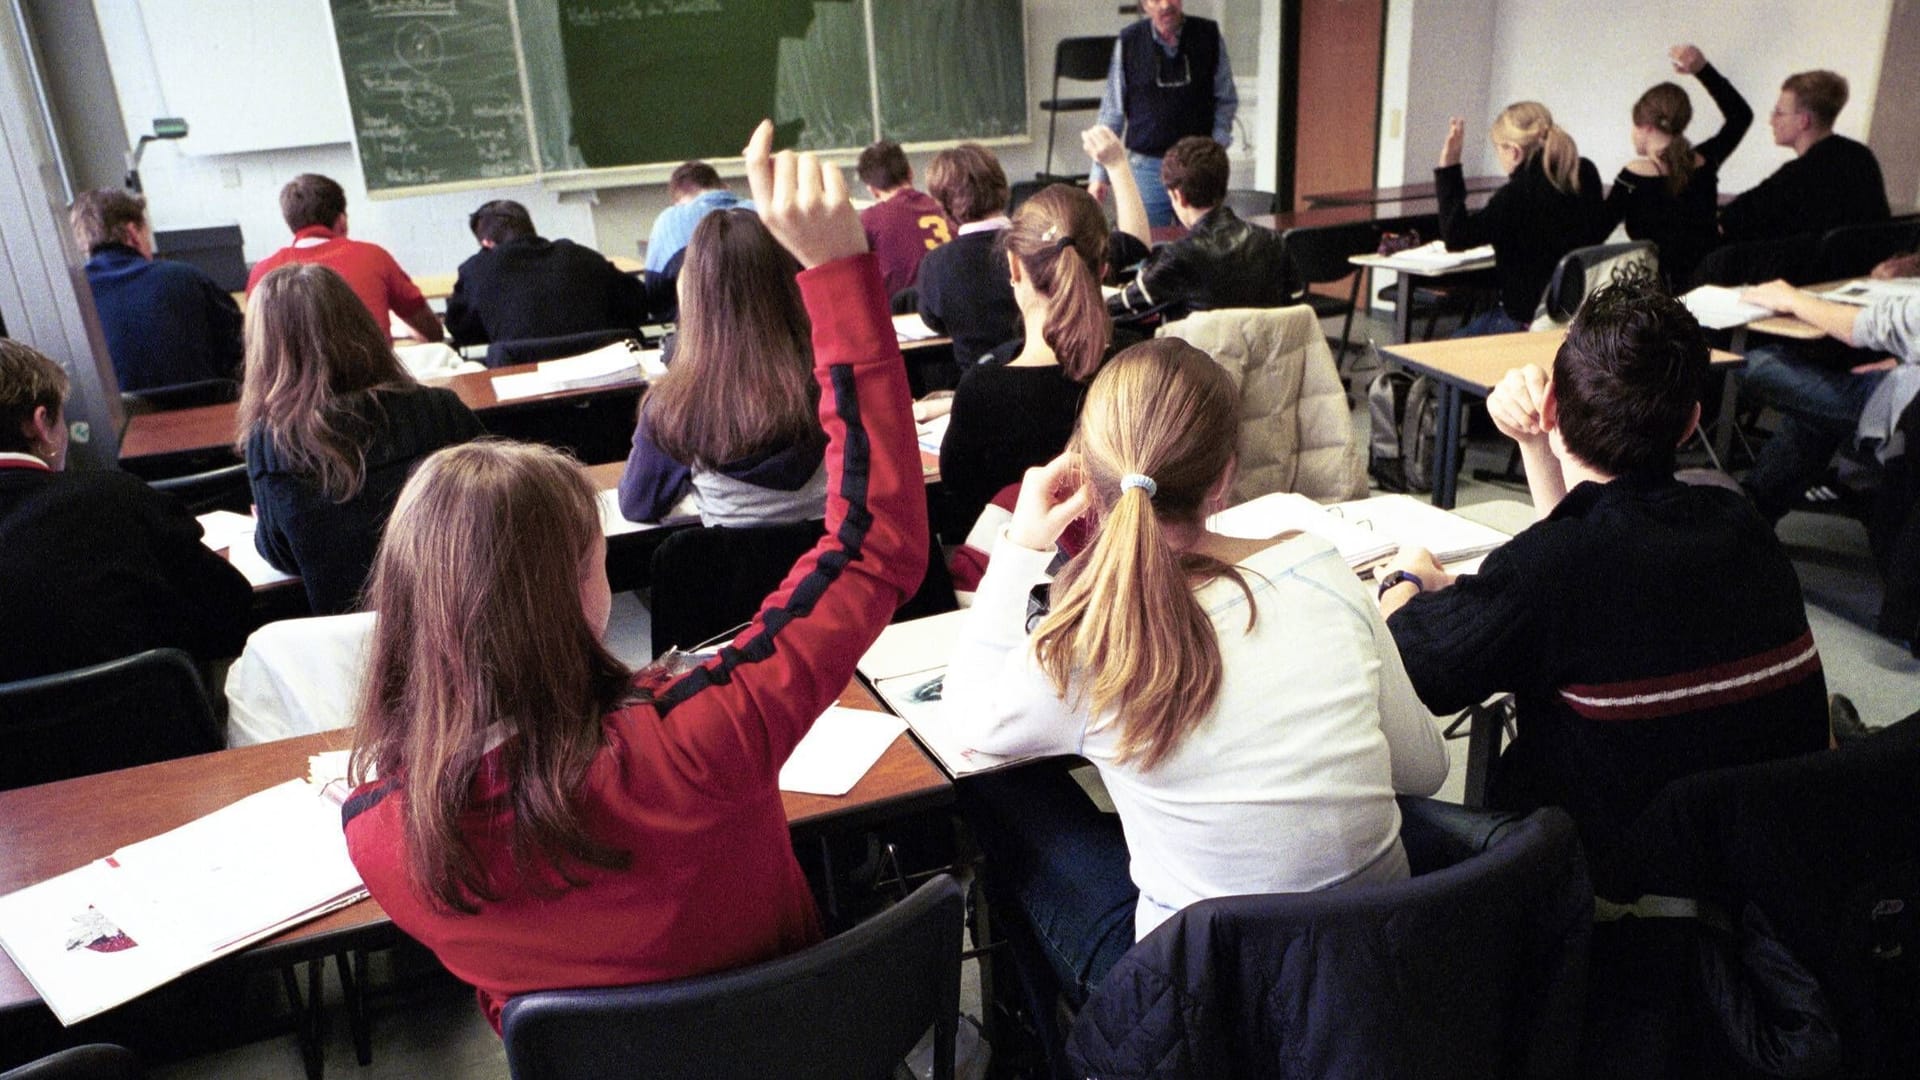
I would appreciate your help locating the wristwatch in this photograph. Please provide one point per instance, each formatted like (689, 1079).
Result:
(1399, 576)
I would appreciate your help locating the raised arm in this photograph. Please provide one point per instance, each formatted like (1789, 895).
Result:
(1107, 152)
(1113, 117)
(738, 716)
(1736, 115)
(1460, 228)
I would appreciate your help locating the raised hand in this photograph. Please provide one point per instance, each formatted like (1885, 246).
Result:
(1104, 147)
(1052, 496)
(803, 202)
(1687, 60)
(1456, 137)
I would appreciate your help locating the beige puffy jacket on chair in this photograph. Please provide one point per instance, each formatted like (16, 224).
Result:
(1296, 433)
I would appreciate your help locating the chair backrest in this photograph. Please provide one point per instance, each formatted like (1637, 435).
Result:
(1249, 202)
(1585, 269)
(94, 1061)
(298, 676)
(1319, 253)
(1083, 58)
(179, 396)
(849, 1008)
(217, 251)
(709, 580)
(534, 350)
(1853, 250)
(139, 709)
(1475, 969)
(224, 488)
(1788, 257)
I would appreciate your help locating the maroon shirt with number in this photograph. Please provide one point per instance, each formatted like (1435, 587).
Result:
(901, 230)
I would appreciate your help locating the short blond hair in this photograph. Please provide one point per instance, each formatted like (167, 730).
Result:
(101, 216)
(1822, 93)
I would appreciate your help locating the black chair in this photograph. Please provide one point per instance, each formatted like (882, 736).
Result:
(217, 251)
(1585, 269)
(1853, 250)
(181, 396)
(663, 289)
(709, 580)
(95, 1061)
(849, 1008)
(1248, 202)
(1318, 256)
(1790, 257)
(533, 350)
(224, 488)
(139, 709)
(1473, 967)
(1085, 59)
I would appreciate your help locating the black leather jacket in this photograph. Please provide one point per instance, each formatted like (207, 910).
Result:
(1222, 262)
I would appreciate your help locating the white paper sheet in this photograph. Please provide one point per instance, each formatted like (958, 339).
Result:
(838, 750)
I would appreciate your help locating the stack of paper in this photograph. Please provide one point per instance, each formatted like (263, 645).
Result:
(933, 433)
(908, 666)
(1283, 511)
(224, 530)
(1435, 256)
(912, 328)
(1869, 290)
(612, 365)
(838, 750)
(114, 929)
(1409, 522)
(1720, 308)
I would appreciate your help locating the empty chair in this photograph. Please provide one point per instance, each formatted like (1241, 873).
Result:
(849, 1008)
(1081, 58)
(1789, 257)
(1853, 250)
(1585, 269)
(707, 581)
(534, 350)
(1318, 256)
(1473, 967)
(179, 396)
(1248, 202)
(143, 708)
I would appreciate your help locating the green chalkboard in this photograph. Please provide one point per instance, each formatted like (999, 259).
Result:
(573, 86)
(434, 88)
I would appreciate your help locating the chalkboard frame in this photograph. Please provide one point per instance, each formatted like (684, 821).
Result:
(606, 177)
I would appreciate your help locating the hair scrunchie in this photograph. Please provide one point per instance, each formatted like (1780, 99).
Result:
(1139, 480)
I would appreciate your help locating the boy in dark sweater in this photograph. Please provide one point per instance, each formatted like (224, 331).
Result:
(1831, 181)
(521, 285)
(965, 290)
(1649, 629)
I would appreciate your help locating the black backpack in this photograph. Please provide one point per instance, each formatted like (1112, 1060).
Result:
(1403, 410)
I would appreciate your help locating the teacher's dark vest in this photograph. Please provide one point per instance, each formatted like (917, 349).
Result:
(1159, 116)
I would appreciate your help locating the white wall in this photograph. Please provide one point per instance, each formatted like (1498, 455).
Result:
(1437, 64)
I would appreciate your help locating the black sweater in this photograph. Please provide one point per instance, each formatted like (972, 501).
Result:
(1683, 224)
(96, 565)
(538, 288)
(1529, 222)
(331, 544)
(966, 294)
(1648, 630)
(1836, 182)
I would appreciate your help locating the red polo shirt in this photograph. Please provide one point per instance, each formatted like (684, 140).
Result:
(375, 278)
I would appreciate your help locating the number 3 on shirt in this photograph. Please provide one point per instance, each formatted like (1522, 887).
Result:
(936, 225)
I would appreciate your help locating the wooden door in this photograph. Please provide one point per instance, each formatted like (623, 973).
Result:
(1337, 102)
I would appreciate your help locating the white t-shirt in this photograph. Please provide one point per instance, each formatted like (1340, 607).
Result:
(1288, 784)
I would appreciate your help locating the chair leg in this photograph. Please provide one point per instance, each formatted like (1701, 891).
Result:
(353, 986)
(309, 1016)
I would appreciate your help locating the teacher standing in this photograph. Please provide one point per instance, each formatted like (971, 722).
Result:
(1169, 79)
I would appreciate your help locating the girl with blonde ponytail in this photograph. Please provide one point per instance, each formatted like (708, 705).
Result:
(1242, 700)
(1670, 194)
(1016, 408)
(1549, 206)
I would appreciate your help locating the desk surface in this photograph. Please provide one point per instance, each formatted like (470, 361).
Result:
(209, 427)
(1477, 364)
(1388, 214)
(53, 828)
(1367, 196)
(1787, 326)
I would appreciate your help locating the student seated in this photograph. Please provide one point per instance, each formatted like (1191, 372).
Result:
(1549, 205)
(1244, 704)
(521, 285)
(1670, 194)
(1016, 408)
(964, 289)
(734, 420)
(1831, 181)
(1222, 261)
(696, 190)
(1823, 408)
(165, 322)
(1648, 629)
(542, 820)
(903, 224)
(330, 424)
(315, 208)
(95, 565)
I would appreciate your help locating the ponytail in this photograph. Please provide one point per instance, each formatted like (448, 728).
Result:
(1561, 158)
(1680, 164)
(1529, 126)
(1666, 108)
(1078, 328)
(1126, 634)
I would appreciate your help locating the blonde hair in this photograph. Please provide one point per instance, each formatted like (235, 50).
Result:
(1125, 622)
(1529, 126)
(477, 583)
(1060, 237)
(310, 344)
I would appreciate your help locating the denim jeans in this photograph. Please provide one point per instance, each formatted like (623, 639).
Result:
(1495, 320)
(1146, 173)
(1819, 407)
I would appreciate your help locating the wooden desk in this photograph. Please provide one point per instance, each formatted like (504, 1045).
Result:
(53, 828)
(1367, 196)
(187, 432)
(1404, 277)
(1462, 366)
(440, 286)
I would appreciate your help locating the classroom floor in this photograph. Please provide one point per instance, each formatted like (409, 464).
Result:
(426, 1024)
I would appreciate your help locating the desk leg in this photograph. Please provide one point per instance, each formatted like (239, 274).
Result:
(1483, 748)
(1729, 402)
(1403, 307)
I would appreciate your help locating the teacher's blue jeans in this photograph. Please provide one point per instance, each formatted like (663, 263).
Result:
(1146, 173)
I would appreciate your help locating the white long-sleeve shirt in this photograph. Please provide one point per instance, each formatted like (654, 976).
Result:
(1288, 784)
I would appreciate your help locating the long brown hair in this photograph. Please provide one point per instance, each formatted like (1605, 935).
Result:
(741, 380)
(1666, 108)
(1529, 126)
(310, 342)
(1124, 615)
(481, 634)
(1060, 237)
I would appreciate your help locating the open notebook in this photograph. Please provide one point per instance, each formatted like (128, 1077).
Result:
(907, 666)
